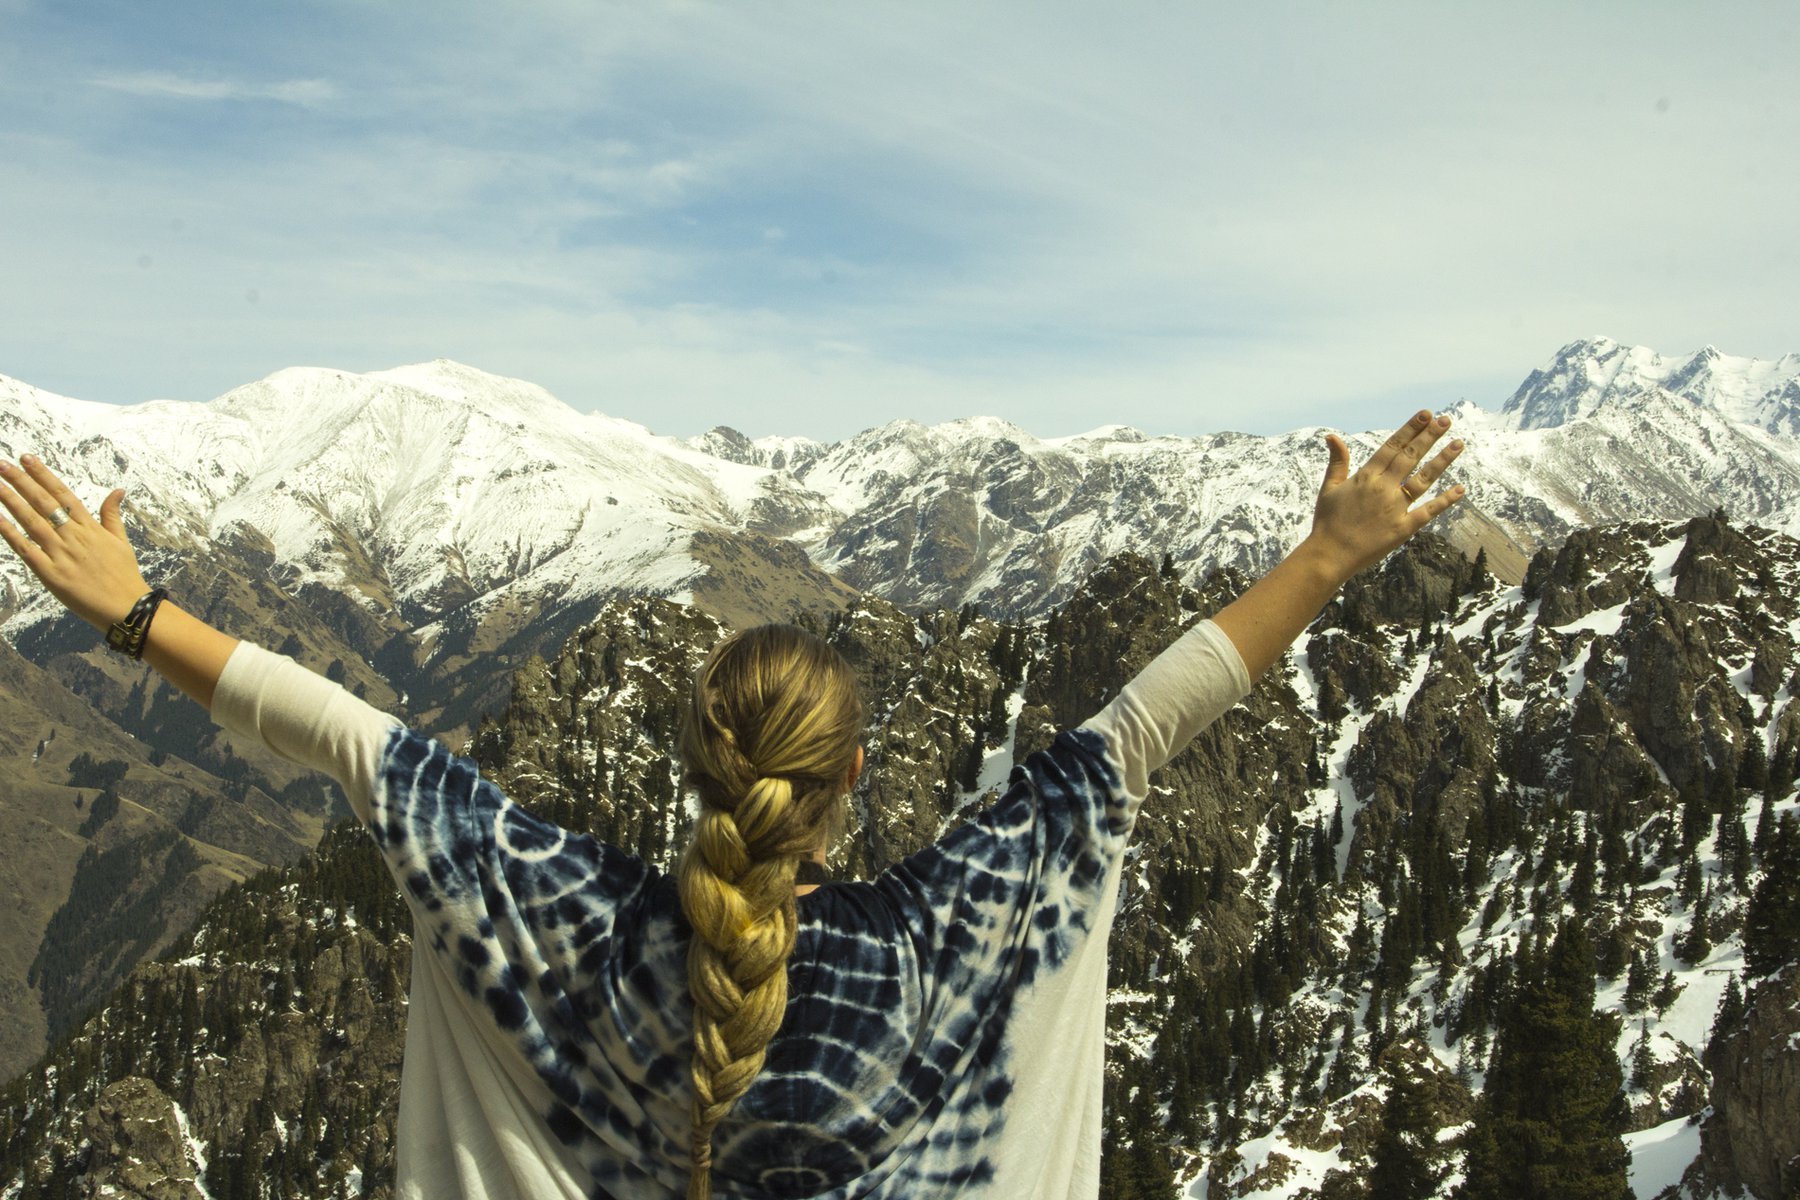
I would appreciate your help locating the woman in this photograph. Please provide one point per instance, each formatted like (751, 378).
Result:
(581, 1025)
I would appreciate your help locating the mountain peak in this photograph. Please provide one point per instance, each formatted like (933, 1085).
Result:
(1598, 373)
(458, 382)
(332, 389)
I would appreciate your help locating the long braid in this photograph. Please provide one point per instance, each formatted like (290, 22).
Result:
(769, 741)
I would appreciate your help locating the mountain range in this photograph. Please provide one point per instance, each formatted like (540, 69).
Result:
(464, 506)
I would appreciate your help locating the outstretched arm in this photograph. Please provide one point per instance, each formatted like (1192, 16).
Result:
(88, 565)
(1357, 521)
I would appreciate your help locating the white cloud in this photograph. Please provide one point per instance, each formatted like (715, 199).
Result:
(308, 93)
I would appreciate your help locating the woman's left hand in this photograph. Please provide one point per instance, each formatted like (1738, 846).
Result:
(87, 564)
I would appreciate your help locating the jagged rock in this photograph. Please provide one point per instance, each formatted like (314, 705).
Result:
(1608, 771)
(1592, 569)
(1420, 582)
(1716, 561)
(1663, 675)
(589, 738)
(940, 689)
(1786, 756)
(1752, 1137)
(1427, 765)
(135, 1146)
(883, 646)
(1119, 620)
(1773, 653)
(1352, 667)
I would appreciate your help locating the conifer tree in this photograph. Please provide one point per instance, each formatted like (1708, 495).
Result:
(1643, 1060)
(1753, 767)
(1695, 942)
(1666, 993)
(1637, 983)
(1734, 844)
(1406, 1162)
(1581, 887)
(1772, 921)
(1551, 1119)
(1731, 1011)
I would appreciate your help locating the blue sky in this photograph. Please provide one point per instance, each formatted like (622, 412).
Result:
(812, 218)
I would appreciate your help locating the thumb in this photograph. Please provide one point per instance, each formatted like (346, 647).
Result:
(1337, 469)
(111, 519)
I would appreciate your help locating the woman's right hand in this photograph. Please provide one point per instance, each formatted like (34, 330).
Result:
(87, 564)
(1359, 519)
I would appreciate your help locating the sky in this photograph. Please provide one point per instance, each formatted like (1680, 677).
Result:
(812, 218)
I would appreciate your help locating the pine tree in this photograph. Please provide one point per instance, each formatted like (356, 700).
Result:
(1643, 1059)
(1731, 1011)
(1734, 844)
(1753, 767)
(1695, 942)
(1637, 983)
(1772, 921)
(1765, 825)
(1478, 571)
(1666, 993)
(1581, 887)
(1407, 1161)
(1551, 1119)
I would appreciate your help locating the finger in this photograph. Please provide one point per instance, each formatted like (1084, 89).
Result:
(21, 545)
(33, 492)
(1425, 476)
(1436, 506)
(1402, 437)
(13, 489)
(1337, 467)
(112, 516)
(1414, 451)
(53, 487)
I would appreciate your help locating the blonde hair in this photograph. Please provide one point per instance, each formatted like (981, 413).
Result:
(769, 744)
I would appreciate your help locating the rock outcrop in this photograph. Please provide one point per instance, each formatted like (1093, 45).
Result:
(136, 1147)
(1751, 1139)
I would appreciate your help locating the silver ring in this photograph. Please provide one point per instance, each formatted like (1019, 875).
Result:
(59, 517)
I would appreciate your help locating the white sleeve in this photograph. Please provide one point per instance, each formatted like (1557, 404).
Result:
(1183, 690)
(271, 699)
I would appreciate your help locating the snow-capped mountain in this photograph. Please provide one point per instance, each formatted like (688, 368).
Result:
(1599, 373)
(433, 488)
(439, 493)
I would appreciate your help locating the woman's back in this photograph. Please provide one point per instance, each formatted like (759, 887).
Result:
(918, 1002)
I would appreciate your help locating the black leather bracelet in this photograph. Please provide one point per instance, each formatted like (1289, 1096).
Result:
(128, 634)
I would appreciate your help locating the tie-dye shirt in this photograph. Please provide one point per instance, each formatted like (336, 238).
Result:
(946, 1021)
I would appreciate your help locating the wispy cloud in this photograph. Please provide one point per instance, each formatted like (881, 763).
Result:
(308, 93)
